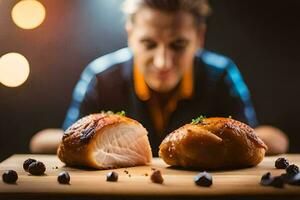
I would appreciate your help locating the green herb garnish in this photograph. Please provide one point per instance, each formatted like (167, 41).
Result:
(122, 113)
(198, 119)
(109, 112)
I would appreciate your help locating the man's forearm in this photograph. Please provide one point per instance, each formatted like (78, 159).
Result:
(276, 140)
(46, 141)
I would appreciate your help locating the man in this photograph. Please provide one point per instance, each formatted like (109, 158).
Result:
(165, 78)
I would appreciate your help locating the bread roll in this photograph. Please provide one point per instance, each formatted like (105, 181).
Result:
(213, 143)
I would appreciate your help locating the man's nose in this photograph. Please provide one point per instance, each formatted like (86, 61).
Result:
(163, 59)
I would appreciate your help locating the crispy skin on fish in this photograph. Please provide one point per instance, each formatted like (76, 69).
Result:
(105, 141)
(214, 143)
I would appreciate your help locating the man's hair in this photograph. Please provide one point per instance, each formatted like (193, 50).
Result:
(200, 9)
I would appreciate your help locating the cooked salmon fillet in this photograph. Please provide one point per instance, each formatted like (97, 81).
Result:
(213, 143)
(104, 141)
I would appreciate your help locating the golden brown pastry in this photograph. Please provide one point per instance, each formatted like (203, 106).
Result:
(105, 140)
(213, 143)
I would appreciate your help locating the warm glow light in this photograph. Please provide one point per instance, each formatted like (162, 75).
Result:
(28, 14)
(14, 69)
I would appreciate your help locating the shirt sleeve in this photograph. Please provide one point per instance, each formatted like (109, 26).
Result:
(235, 97)
(84, 100)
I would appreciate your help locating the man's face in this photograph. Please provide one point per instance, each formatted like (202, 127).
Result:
(164, 45)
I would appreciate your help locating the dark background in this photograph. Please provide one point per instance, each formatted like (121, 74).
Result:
(262, 37)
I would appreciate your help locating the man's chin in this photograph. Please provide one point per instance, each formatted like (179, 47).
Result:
(164, 88)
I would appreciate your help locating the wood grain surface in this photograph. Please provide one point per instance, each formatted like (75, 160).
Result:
(177, 182)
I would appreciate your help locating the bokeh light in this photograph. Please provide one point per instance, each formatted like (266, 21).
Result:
(14, 69)
(28, 14)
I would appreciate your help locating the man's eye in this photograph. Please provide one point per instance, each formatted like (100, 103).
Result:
(178, 46)
(149, 44)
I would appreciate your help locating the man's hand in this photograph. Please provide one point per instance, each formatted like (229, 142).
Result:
(46, 141)
(275, 139)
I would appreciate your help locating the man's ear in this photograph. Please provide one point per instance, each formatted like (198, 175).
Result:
(201, 35)
(128, 28)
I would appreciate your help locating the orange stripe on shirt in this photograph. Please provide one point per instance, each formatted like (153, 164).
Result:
(160, 116)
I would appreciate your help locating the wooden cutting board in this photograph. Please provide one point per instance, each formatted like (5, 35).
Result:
(177, 182)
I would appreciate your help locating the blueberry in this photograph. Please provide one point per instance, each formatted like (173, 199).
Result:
(287, 178)
(277, 182)
(63, 178)
(27, 163)
(203, 179)
(292, 169)
(112, 177)
(266, 179)
(37, 168)
(293, 179)
(10, 176)
(281, 163)
(296, 180)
